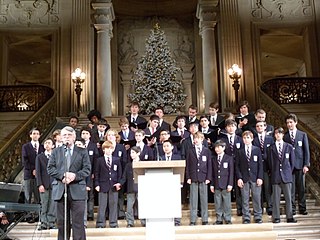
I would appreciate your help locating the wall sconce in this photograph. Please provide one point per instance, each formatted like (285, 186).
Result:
(235, 74)
(78, 78)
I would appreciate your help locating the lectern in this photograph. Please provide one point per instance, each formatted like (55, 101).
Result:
(159, 195)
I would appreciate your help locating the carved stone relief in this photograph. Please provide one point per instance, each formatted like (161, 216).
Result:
(281, 9)
(29, 12)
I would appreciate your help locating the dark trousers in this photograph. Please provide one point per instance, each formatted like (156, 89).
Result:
(75, 210)
(298, 187)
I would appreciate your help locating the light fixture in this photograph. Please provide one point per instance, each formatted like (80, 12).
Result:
(78, 78)
(235, 74)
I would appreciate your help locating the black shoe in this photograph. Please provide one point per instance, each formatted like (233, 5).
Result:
(293, 212)
(90, 218)
(277, 220)
(31, 220)
(42, 228)
(114, 226)
(121, 217)
(258, 221)
(291, 220)
(269, 212)
(303, 212)
(130, 226)
(192, 224)
(246, 221)
(100, 227)
(53, 227)
(228, 222)
(143, 224)
(204, 223)
(218, 223)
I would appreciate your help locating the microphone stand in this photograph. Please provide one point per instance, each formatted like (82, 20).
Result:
(65, 191)
(157, 151)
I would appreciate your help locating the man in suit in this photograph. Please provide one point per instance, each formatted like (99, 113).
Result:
(280, 163)
(249, 173)
(245, 120)
(44, 185)
(190, 118)
(180, 133)
(70, 166)
(300, 143)
(261, 115)
(30, 151)
(162, 124)
(263, 141)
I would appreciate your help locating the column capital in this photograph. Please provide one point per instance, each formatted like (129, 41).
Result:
(207, 14)
(103, 15)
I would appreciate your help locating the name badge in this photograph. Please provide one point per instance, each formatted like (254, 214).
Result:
(204, 158)
(268, 145)
(287, 155)
(300, 143)
(119, 154)
(115, 167)
(238, 145)
(225, 165)
(255, 158)
(146, 156)
(90, 152)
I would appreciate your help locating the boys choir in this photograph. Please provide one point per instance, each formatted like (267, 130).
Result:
(233, 158)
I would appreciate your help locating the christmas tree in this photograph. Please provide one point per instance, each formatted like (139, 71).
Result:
(154, 80)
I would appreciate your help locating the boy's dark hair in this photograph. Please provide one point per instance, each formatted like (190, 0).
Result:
(168, 141)
(193, 107)
(244, 103)
(81, 140)
(230, 122)
(279, 130)
(49, 138)
(154, 117)
(136, 149)
(205, 116)
(264, 123)
(134, 104)
(219, 143)
(214, 105)
(86, 128)
(261, 111)
(93, 113)
(103, 122)
(159, 108)
(74, 117)
(291, 116)
(34, 129)
(181, 117)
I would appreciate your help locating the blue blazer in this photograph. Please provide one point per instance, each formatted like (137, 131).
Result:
(249, 171)
(280, 169)
(199, 171)
(301, 149)
(222, 176)
(104, 177)
(268, 141)
(80, 165)
(42, 176)
(29, 159)
(237, 144)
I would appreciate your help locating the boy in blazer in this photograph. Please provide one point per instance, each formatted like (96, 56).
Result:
(300, 143)
(263, 141)
(281, 158)
(107, 175)
(70, 165)
(44, 181)
(134, 116)
(162, 124)
(146, 153)
(126, 134)
(30, 151)
(222, 182)
(249, 173)
(215, 118)
(198, 175)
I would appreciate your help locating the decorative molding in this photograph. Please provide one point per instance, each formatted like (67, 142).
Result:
(207, 14)
(281, 10)
(29, 12)
(103, 16)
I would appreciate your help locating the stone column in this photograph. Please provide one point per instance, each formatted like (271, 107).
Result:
(231, 51)
(206, 13)
(81, 53)
(187, 79)
(126, 75)
(104, 15)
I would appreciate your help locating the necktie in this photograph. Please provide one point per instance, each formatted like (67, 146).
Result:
(261, 143)
(125, 134)
(280, 151)
(292, 138)
(231, 143)
(68, 158)
(198, 152)
(168, 158)
(248, 154)
(213, 121)
(219, 160)
(109, 163)
(35, 148)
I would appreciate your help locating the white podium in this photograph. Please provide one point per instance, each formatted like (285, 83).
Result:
(159, 196)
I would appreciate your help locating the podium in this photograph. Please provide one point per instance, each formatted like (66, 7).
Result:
(159, 195)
